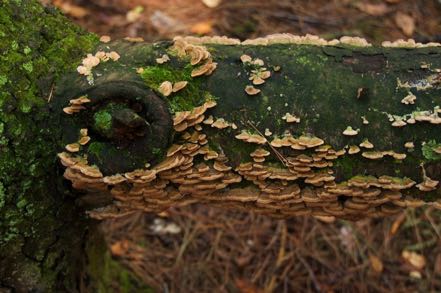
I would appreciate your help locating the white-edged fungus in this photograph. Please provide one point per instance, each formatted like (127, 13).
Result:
(166, 88)
(409, 99)
(291, 118)
(349, 131)
(163, 59)
(179, 86)
(251, 90)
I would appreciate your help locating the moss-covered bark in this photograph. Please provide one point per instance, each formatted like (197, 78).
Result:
(38, 221)
(372, 111)
(338, 96)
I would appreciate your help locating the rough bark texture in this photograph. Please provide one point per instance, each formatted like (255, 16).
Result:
(148, 148)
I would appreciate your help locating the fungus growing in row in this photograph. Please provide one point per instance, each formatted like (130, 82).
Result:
(349, 131)
(409, 99)
(399, 123)
(245, 58)
(205, 69)
(73, 147)
(163, 59)
(251, 90)
(291, 118)
(179, 86)
(372, 155)
(84, 140)
(353, 149)
(84, 131)
(79, 101)
(258, 76)
(209, 120)
(220, 123)
(252, 138)
(105, 39)
(166, 88)
(366, 144)
(409, 145)
(364, 120)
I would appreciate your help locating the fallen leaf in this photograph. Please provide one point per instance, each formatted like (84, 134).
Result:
(392, 1)
(405, 22)
(376, 263)
(71, 9)
(211, 3)
(373, 9)
(202, 28)
(397, 223)
(245, 286)
(119, 248)
(416, 260)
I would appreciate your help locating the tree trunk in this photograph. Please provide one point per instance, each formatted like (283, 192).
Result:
(148, 126)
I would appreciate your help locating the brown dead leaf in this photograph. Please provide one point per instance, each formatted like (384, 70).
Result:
(376, 263)
(416, 260)
(373, 9)
(202, 28)
(119, 248)
(397, 224)
(246, 286)
(71, 9)
(392, 1)
(405, 22)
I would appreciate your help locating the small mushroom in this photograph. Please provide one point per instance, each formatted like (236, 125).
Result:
(245, 58)
(73, 147)
(409, 99)
(179, 86)
(163, 59)
(291, 118)
(251, 90)
(366, 144)
(84, 140)
(166, 88)
(349, 131)
(353, 149)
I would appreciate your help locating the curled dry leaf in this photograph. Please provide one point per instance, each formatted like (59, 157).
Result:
(405, 22)
(416, 260)
(397, 224)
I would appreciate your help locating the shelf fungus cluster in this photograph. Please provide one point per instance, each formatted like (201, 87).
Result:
(257, 75)
(199, 56)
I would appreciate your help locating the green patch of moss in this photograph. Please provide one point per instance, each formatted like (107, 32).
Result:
(186, 99)
(428, 150)
(103, 121)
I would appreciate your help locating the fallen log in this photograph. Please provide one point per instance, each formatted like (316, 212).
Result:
(282, 125)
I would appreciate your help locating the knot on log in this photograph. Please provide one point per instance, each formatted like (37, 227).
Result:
(118, 126)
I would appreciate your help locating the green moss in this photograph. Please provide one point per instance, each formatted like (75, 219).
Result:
(37, 45)
(103, 121)
(428, 150)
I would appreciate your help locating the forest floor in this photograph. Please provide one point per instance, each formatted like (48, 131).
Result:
(203, 249)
